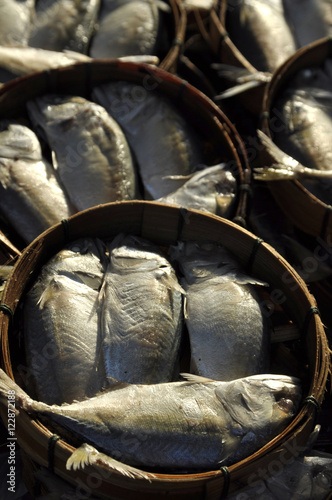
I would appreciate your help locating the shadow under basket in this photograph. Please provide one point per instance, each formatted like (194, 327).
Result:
(165, 225)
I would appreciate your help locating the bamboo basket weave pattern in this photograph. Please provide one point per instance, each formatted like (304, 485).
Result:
(165, 225)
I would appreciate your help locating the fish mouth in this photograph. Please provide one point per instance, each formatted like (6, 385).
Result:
(288, 397)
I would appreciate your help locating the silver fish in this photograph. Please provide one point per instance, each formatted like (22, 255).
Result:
(177, 426)
(260, 31)
(15, 21)
(18, 61)
(64, 24)
(32, 198)
(310, 20)
(125, 28)
(303, 131)
(307, 477)
(90, 151)
(162, 140)
(304, 109)
(211, 189)
(228, 331)
(142, 313)
(62, 325)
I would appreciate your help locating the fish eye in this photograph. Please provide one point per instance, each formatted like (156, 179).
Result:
(286, 405)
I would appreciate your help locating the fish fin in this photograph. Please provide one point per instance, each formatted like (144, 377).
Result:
(191, 377)
(276, 172)
(185, 307)
(113, 383)
(178, 177)
(54, 160)
(45, 296)
(240, 74)
(88, 455)
(279, 155)
(163, 6)
(237, 89)
(147, 59)
(9, 386)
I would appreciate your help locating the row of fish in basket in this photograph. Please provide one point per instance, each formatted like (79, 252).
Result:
(111, 315)
(75, 153)
(168, 349)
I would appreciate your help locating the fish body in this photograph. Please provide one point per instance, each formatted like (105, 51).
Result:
(177, 426)
(62, 325)
(307, 126)
(228, 332)
(64, 24)
(163, 142)
(260, 31)
(305, 111)
(18, 61)
(212, 189)
(90, 151)
(142, 313)
(310, 20)
(15, 22)
(32, 198)
(126, 28)
(307, 477)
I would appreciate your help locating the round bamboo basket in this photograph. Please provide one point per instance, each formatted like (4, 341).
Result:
(165, 225)
(220, 138)
(292, 197)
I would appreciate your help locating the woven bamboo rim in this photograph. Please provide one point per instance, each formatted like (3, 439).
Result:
(165, 225)
(170, 61)
(292, 197)
(218, 39)
(80, 79)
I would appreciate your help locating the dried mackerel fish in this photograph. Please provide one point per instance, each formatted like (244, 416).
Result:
(228, 332)
(64, 24)
(176, 426)
(62, 325)
(31, 196)
(142, 313)
(212, 189)
(18, 61)
(260, 31)
(301, 145)
(15, 22)
(90, 151)
(162, 140)
(126, 28)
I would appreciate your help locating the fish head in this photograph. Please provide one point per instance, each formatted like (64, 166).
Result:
(320, 473)
(200, 260)
(205, 260)
(262, 402)
(129, 253)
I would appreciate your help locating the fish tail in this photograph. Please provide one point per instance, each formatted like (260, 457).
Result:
(10, 391)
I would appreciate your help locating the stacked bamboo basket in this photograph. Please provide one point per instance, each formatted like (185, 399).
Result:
(184, 76)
